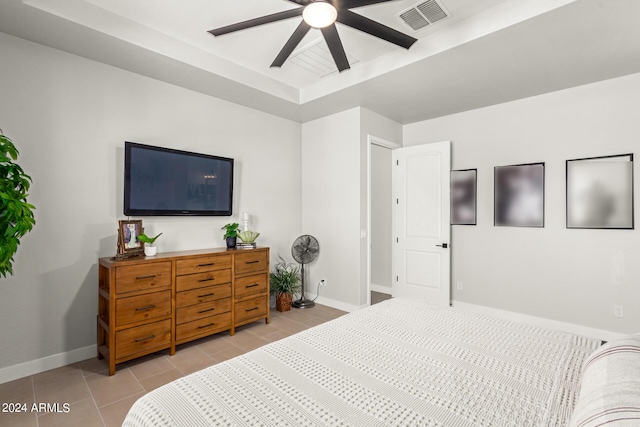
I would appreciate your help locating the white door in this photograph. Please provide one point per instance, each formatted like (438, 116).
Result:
(422, 254)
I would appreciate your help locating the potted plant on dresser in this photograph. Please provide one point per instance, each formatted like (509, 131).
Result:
(231, 234)
(149, 248)
(285, 281)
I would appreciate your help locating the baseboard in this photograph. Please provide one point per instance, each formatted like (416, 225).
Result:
(381, 289)
(37, 366)
(339, 305)
(541, 322)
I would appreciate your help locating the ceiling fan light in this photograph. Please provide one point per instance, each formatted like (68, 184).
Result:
(319, 14)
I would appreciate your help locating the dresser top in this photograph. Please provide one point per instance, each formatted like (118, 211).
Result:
(163, 256)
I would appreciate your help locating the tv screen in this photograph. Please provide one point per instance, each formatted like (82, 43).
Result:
(162, 181)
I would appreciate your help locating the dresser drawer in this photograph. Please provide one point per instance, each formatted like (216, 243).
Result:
(198, 280)
(143, 338)
(208, 325)
(143, 307)
(251, 308)
(143, 276)
(251, 285)
(251, 262)
(198, 311)
(202, 264)
(198, 296)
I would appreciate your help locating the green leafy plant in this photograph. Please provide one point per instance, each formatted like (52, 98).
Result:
(285, 278)
(146, 239)
(231, 230)
(16, 215)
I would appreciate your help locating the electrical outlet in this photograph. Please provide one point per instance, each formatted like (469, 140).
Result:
(323, 282)
(618, 311)
(459, 285)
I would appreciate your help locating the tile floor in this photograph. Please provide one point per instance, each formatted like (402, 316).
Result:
(96, 399)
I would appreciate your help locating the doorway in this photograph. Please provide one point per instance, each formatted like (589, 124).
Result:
(380, 219)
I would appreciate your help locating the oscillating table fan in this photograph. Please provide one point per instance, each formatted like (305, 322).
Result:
(304, 250)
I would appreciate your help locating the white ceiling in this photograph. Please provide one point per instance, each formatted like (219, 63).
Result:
(486, 52)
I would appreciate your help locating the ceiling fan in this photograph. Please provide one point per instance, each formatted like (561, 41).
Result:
(323, 14)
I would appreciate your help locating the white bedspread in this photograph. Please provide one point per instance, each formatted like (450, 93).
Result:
(398, 363)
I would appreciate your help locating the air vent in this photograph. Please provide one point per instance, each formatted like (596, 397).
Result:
(315, 57)
(423, 14)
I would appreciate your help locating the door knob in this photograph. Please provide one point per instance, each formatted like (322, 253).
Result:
(444, 246)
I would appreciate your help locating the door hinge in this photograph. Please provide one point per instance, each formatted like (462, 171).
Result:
(397, 162)
(396, 278)
(397, 201)
(397, 240)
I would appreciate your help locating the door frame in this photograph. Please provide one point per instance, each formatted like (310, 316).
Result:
(374, 140)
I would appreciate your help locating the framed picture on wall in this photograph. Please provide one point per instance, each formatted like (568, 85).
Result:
(519, 195)
(600, 192)
(464, 196)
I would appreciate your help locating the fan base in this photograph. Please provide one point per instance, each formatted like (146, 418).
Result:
(303, 304)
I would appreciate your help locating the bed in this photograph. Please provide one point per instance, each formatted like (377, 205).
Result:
(397, 363)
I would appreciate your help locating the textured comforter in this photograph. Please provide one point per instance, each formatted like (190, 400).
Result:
(398, 363)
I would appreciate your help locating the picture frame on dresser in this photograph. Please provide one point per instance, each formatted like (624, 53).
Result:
(128, 232)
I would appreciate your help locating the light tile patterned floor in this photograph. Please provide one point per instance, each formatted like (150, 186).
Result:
(96, 399)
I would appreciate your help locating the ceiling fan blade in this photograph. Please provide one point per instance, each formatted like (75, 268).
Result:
(374, 28)
(291, 44)
(257, 21)
(352, 4)
(334, 43)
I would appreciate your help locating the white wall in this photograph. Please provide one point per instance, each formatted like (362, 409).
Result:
(381, 219)
(331, 203)
(556, 273)
(69, 117)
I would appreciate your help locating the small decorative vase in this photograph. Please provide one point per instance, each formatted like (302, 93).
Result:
(283, 302)
(150, 250)
(231, 242)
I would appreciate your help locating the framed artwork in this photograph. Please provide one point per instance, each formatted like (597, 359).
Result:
(464, 196)
(519, 195)
(128, 232)
(600, 192)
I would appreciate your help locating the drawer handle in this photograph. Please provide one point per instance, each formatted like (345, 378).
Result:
(253, 262)
(147, 307)
(146, 277)
(251, 309)
(207, 280)
(253, 286)
(207, 295)
(206, 265)
(146, 339)
(206, 326)
(204, 311)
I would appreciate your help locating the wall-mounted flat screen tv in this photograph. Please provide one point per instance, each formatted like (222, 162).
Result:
(162, 181)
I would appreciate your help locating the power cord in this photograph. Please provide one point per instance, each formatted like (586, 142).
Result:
(321, 282)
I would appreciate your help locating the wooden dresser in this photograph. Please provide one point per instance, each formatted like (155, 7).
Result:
(147, 304)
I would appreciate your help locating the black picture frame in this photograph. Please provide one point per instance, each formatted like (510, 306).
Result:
(519, 195)
(464, 197)
(600, 192)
